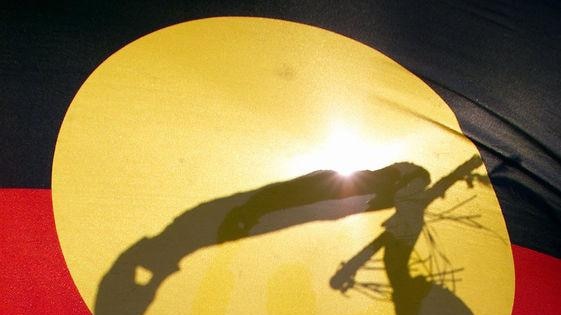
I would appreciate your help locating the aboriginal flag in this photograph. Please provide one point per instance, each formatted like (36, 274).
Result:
(495, 64)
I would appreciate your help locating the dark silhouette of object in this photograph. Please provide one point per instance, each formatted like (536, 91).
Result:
(410, 295)
(235, 217)
(229, 219)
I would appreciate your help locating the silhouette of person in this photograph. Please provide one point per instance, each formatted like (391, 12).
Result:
(232, 218)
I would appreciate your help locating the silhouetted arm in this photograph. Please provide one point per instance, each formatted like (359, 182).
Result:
(215, 222)
(308, 189)
(461, 172)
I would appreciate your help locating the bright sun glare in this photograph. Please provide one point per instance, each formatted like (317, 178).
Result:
(346, 151)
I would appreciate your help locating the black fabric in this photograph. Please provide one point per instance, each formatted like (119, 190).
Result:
(496, 63)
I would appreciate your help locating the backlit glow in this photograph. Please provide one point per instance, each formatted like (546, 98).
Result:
(346, 151)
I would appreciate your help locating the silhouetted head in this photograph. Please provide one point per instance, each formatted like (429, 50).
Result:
(408, 179)
(413, 178)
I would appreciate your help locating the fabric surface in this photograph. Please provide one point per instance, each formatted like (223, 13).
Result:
(496, 64)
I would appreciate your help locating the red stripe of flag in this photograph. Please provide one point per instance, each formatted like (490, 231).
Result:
(34, 278)
(538, 283)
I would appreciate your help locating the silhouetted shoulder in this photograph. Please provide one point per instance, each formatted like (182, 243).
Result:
(441, 301)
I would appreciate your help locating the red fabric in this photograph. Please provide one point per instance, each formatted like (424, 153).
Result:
(538, 283)
(34, 278)
(33, 275)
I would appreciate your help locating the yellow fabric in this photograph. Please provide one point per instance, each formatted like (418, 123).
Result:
(208, 108)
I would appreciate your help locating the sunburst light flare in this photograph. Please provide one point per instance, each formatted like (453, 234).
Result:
(346, 150)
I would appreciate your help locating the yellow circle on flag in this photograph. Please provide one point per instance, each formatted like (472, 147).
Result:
(205, 109)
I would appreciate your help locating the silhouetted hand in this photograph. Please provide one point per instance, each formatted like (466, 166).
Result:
(119, 292)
